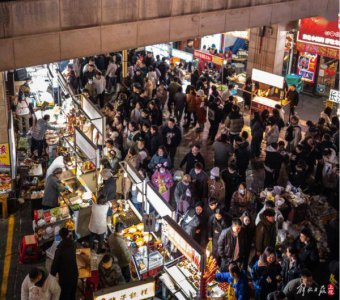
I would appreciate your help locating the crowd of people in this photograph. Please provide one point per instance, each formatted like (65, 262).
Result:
(147, 114)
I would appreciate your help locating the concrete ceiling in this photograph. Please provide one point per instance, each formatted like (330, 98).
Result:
(41, 31)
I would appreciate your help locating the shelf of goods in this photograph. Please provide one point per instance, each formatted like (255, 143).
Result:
(47, 222)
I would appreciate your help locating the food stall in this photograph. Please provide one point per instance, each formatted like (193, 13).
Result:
(183, 274)
(270, 91)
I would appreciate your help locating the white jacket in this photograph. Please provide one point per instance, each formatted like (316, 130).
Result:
(49, 291)
(100, 84)
(98, 220)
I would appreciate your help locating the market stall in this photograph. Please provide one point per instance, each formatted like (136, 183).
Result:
(183, 275)
(270, 91)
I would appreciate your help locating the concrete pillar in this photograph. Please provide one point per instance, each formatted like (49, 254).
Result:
(3, 111)
(266, 48)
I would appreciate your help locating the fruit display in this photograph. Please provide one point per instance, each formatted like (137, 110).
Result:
(88, 166)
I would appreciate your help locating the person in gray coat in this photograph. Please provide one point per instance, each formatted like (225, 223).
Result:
(53, 188)
(222, 151)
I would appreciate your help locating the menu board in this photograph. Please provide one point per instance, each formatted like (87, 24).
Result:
(267, 78)
(87, 147)
(180, 239)
(306, 66)
(91, 111)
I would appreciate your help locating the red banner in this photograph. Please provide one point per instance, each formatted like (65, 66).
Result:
(319, 31)
(208, 57)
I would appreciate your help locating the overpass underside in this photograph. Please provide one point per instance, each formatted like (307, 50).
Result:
(40, 31)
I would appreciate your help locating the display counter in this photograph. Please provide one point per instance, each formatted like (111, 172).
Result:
(260, 103)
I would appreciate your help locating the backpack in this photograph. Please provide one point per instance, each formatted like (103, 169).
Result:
(289, 136)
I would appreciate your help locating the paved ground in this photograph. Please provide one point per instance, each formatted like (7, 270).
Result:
(309, 109)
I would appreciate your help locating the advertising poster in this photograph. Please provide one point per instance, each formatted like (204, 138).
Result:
(306, 66)
(5, 160)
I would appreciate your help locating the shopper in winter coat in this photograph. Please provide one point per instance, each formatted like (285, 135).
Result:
(162, 181)
(200, 110)
(258, 126)
(194, 224)
(237, 279)
(215, 113)
(242, 154)
(180, 102)
(39, 285)
(119, 248)
(217, 223)
(216, 186)
(268, 204)
(98, 222)
(234, 122)
(257, 176)
(200, 182)
(53, 188)
(232, 180)
(191, 97)
(307, 249)
(260, 278)
(184, 195)
(231, 245)
(272, 133)
(272, 165)
(171, 138)
(265, 231)
(290, 266)
(222, 151)
(65, 265)
(108, 188)
(293, 134)
(273, 268)
(248, 229)
(160, 158)
(191, 158)
(303, 288)
(241, 201)
(110, 274)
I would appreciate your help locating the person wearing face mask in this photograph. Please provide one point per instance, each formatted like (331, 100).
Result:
(216, 186)
(231, 245)
(217, 223)
(249, 229)
(183, 195)
(162, 181)
(242, 200)
(200, 182)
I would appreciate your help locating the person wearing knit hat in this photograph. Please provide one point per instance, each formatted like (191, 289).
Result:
(216, 186)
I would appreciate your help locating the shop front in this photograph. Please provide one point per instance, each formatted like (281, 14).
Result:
(318, 60)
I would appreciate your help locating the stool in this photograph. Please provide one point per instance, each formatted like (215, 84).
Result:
(3, 201)
(28, 251)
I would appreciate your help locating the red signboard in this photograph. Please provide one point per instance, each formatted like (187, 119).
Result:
(319, 31)
(306, 67)
(319, 36)
(208, 57)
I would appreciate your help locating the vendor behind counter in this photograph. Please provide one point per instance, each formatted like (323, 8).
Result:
(53, 188)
